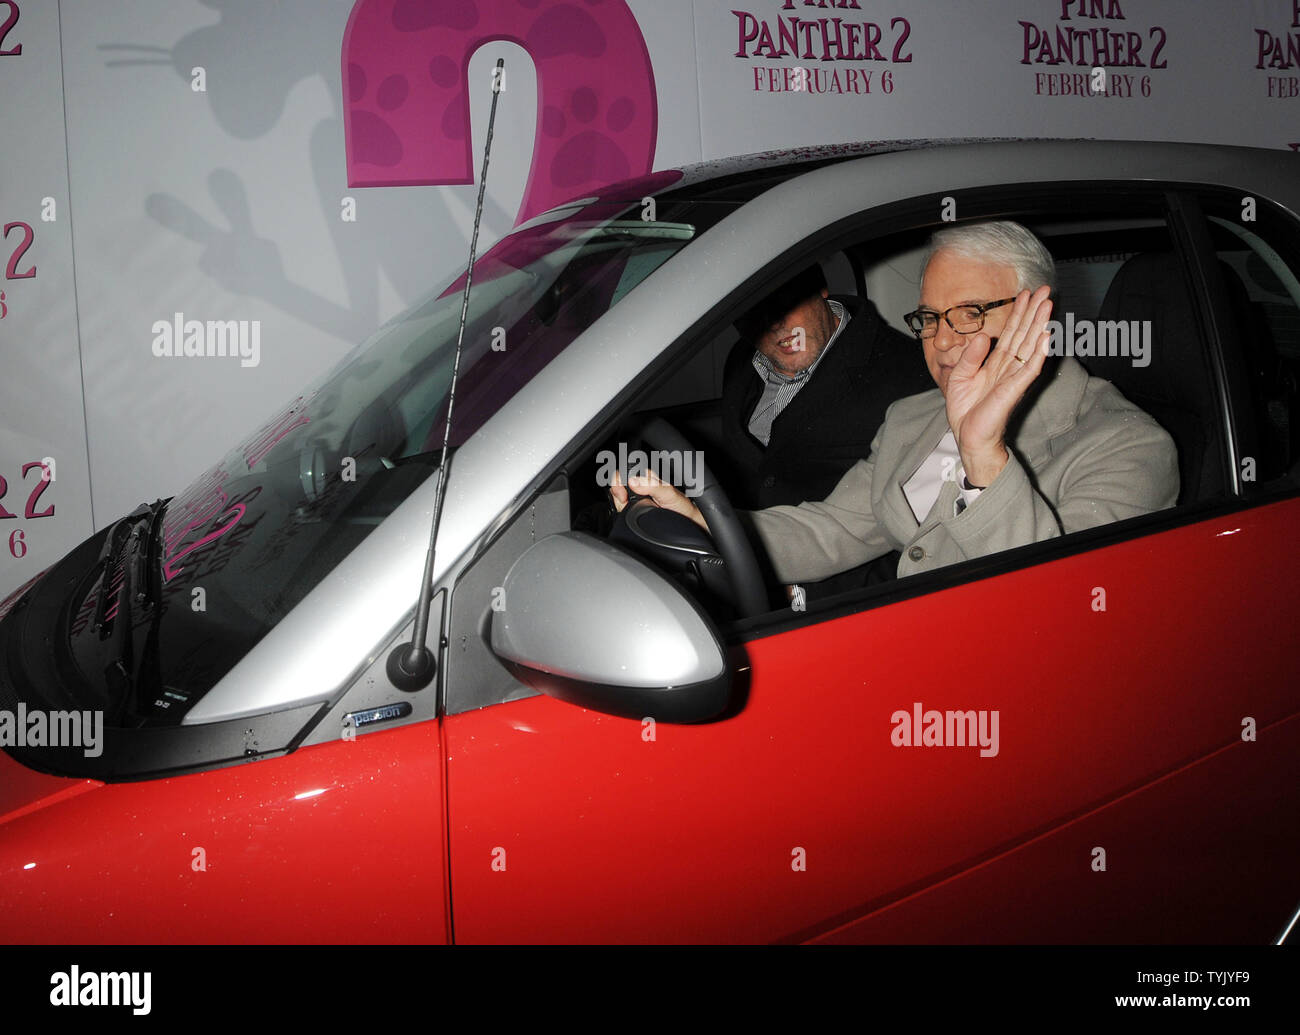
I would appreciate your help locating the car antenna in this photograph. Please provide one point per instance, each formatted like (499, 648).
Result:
(411, 666)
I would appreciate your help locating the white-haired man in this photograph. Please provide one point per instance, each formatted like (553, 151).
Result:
(965, 471)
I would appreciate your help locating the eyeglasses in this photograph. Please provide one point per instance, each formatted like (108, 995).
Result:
(964, 319)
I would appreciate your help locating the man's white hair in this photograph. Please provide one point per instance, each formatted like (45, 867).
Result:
(1001, 243)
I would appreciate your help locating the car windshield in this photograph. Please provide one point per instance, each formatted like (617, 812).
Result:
(255, 533)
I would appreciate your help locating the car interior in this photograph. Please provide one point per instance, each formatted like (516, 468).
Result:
(1108, 269)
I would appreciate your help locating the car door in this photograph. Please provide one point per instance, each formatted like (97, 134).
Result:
(1128, 728)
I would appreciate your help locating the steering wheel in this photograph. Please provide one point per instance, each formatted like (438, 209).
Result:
(742, 569)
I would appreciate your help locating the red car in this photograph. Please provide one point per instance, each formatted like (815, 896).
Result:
(214, 734)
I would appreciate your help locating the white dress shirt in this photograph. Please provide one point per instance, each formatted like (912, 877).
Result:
(943, 464)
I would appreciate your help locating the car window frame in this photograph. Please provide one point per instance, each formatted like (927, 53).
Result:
(1211, 308)
(1229, 346)
(1149, 199)
(1016, 201)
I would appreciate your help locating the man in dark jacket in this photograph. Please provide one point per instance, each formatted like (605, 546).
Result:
(804, 391)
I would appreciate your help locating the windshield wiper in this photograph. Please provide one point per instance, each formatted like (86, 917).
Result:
(114, 543)
(146, 569)
(124, 530)
(140, 533)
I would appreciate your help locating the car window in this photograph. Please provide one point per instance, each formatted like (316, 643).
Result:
(1124, 305)
(1122, 277)
(1259, 261)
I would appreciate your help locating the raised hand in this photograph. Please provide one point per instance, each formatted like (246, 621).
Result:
(980, 395)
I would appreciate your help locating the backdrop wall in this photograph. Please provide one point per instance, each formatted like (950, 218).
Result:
(302, 170)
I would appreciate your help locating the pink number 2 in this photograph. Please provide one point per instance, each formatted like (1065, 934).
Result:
(8, 24)
(11, 270)
(406, 100)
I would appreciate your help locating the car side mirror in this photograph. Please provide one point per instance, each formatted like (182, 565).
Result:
(584, 622)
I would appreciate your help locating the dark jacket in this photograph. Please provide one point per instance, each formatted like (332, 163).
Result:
(829, 425)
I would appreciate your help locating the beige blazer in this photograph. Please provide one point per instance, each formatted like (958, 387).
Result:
(1081, 455)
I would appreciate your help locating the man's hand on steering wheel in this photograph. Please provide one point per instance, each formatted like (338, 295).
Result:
(661, 493)
(723, 526)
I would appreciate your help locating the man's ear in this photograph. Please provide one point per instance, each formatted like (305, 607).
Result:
(826, 292)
